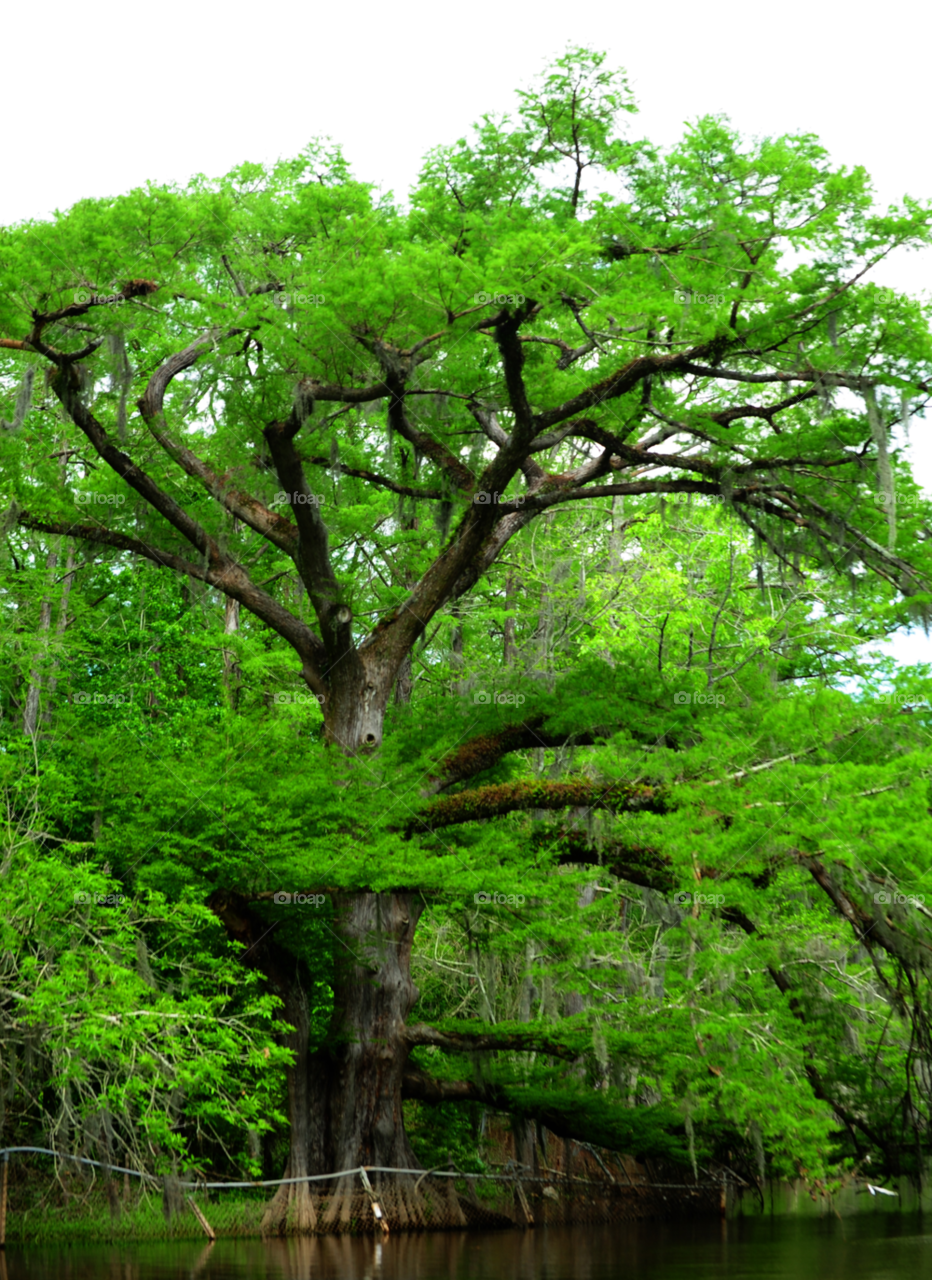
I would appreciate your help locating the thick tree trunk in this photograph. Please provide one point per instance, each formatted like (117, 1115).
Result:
(354, 708)
(345, 1098)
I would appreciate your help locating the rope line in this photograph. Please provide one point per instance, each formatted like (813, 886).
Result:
(420, 1174)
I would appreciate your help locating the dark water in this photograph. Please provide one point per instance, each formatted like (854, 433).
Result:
(875, 1247)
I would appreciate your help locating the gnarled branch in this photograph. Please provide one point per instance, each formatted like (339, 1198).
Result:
(493, 801)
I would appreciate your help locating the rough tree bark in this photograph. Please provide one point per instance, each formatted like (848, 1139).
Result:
(354, 1080)
(344, 1098)
(354, 706)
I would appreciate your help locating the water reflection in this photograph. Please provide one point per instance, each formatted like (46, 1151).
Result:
(881, 1247)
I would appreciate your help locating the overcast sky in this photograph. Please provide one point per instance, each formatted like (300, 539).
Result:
(98, 99)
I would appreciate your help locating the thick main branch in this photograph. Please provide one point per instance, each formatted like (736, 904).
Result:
(494, 801)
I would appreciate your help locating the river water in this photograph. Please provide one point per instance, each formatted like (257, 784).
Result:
(869, 1247)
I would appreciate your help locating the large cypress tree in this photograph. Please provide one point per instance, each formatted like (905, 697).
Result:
(353, 419)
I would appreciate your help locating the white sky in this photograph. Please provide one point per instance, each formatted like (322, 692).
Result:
(103, 98)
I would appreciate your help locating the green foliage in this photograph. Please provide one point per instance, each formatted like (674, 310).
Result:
(130, 1016)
